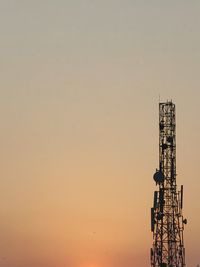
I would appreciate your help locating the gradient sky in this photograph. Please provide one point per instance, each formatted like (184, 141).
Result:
(79, 91)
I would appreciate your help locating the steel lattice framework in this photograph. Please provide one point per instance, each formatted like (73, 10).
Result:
(167, 223)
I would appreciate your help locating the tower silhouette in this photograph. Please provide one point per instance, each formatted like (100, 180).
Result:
(167, 223)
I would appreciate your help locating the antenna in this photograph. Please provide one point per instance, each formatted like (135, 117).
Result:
(181, 196)
(155, 200)
(152, 220)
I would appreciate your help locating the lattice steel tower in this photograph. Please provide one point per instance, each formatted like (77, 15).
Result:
(167, 223)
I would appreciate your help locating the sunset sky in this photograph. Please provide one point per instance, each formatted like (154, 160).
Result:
(79, 91)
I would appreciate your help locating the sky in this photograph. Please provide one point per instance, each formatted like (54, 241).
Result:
(79, 92)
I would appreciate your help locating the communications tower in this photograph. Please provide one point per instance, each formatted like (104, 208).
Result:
(167, 223)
